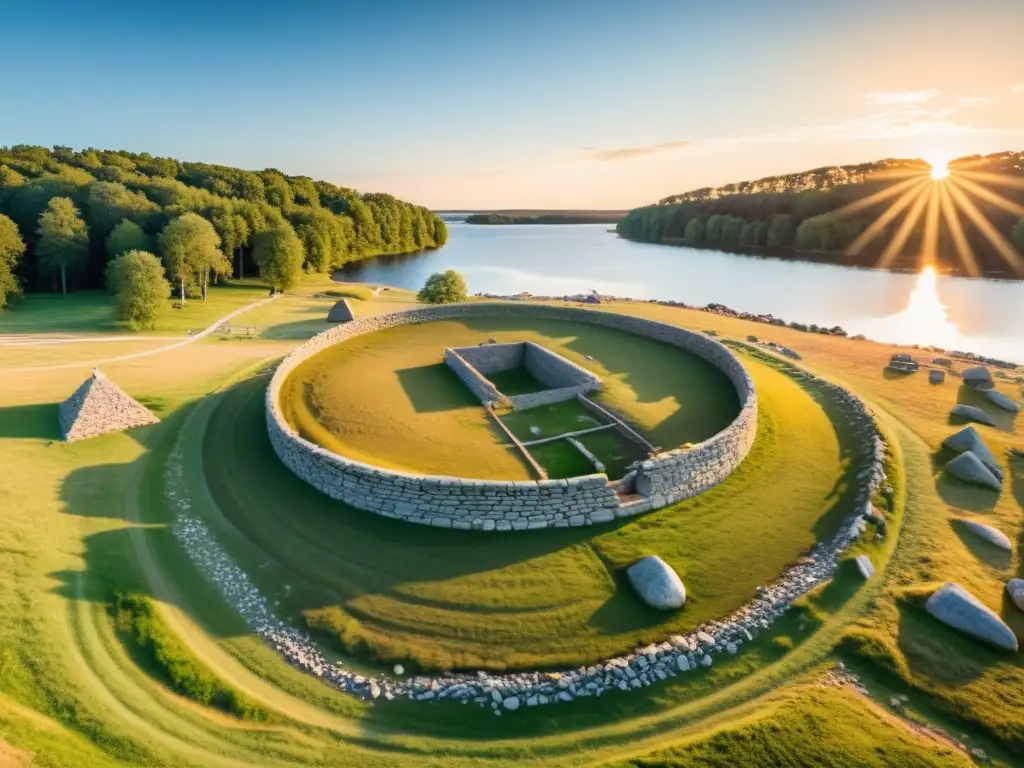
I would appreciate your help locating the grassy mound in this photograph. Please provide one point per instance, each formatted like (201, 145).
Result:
(388, 399)
(444, 599)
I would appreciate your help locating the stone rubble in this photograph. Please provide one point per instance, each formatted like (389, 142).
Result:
(676, 655)
(99, 406)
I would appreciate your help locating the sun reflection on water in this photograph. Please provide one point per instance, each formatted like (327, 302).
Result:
(925, 319)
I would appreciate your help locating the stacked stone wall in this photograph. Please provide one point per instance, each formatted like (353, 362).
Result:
(471, 377)
(555, 371)
(492, 358)
(454, 502)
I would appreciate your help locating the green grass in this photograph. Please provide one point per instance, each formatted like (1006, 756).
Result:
(458, 599)
(516, 381)
(820, 727)
(561, 460)
(388, 399)
(550, 420)
(143, 631)
(613, 450)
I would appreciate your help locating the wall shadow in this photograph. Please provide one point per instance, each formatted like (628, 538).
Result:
(297, 329)
(38, 421)
(435, 387)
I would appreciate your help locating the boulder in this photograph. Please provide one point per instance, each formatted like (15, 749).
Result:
(1005, 402)
(978, 378)
(955, 607)
(968, 439)
(986, 532)
(867, 570)
(936, 377)
(969, 468)
(656, 583)
(1015, 589)
(942, 361)
(970, 413)
(341, 312)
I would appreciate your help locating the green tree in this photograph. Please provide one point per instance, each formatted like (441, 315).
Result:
(63, 244)
(11, 249)
(126, 236)
(190, 248)
(278, 254)
(137, 280)
(443, 288)
(109, 203)
(780, 231)
(234, 235)
(694, 232)
(1017, 235)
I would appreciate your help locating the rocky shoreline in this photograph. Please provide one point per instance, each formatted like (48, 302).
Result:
(676, 655)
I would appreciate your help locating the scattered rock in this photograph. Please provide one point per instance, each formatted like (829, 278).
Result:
(971, 413)
(978, 378)
(534, 430)
(945, 361)
(511, 703)
(867, 570)
(970, 469)
(341, 312)
(956, 607)
(993, 536)
(1015, 589)
(1005, 402)
(399, 669)
(656, 583)
(968, 439)
(936, 377)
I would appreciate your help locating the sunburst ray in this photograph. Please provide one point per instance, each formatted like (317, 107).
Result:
(996, 179)
(930, 241)
(878, 197)
(890, 213)
(903, 233)
(963, 248)
(989, 196)
(1003, 246)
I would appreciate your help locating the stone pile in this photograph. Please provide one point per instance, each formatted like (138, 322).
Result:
(677, 655)
(99, 406)
(341, 312)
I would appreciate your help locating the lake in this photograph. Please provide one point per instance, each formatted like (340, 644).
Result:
(982, 316)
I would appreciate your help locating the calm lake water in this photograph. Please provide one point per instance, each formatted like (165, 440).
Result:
(982, 316)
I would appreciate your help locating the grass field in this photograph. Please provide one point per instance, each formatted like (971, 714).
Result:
(388, 399)
(82, 522)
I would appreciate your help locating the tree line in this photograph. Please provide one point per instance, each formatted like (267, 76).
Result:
(65, 215)
(807, 217)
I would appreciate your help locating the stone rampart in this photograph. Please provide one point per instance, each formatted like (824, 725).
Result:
(555, 371)
(453, 502)
(491, 358)
(471, 376)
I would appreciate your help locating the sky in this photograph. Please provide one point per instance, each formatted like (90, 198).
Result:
(554, 104)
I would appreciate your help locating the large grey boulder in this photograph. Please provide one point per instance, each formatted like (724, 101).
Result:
(1005, 402)
(969, 468)
(968, 439)
(864, 565)
(986, 532)
(341, 312)
(978, 378)
(656, 583)
(970, 413)
(936, 376)
(955, 607)
(1015, 589)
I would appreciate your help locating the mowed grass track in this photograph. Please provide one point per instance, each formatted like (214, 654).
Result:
(443, 599)
(388, 398)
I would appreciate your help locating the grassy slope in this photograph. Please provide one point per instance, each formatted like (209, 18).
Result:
(63, 532)
(463, 599)
(390, 399)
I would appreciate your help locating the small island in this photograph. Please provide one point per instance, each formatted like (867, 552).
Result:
(546, 217)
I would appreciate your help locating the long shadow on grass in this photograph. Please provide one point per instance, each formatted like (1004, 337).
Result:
(938, 653)
(956, 493)
(1003, 420)
(37, 421)
(298, 329)
(432, 388)
(981, 549)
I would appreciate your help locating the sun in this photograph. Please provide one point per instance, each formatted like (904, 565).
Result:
(939, 171)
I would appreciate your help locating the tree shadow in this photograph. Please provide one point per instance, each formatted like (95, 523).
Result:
(38, 421)
(435, 387)
(984, 551)
(1002, 420)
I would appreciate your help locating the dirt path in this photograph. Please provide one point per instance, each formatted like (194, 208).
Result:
(145, 353)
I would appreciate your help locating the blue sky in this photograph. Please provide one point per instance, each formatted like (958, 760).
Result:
(540, 104)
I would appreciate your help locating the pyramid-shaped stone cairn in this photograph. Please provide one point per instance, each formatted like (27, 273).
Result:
(341, 313)
(99, 406)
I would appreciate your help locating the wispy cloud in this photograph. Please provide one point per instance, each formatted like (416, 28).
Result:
(629, 153)
(974, 101)
(902, 97)
(1018, 88)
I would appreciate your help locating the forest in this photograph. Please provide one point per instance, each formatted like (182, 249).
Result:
(73, 212)
(820, 214)
(555, 217)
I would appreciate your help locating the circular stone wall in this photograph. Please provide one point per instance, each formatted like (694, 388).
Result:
(454, 502)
